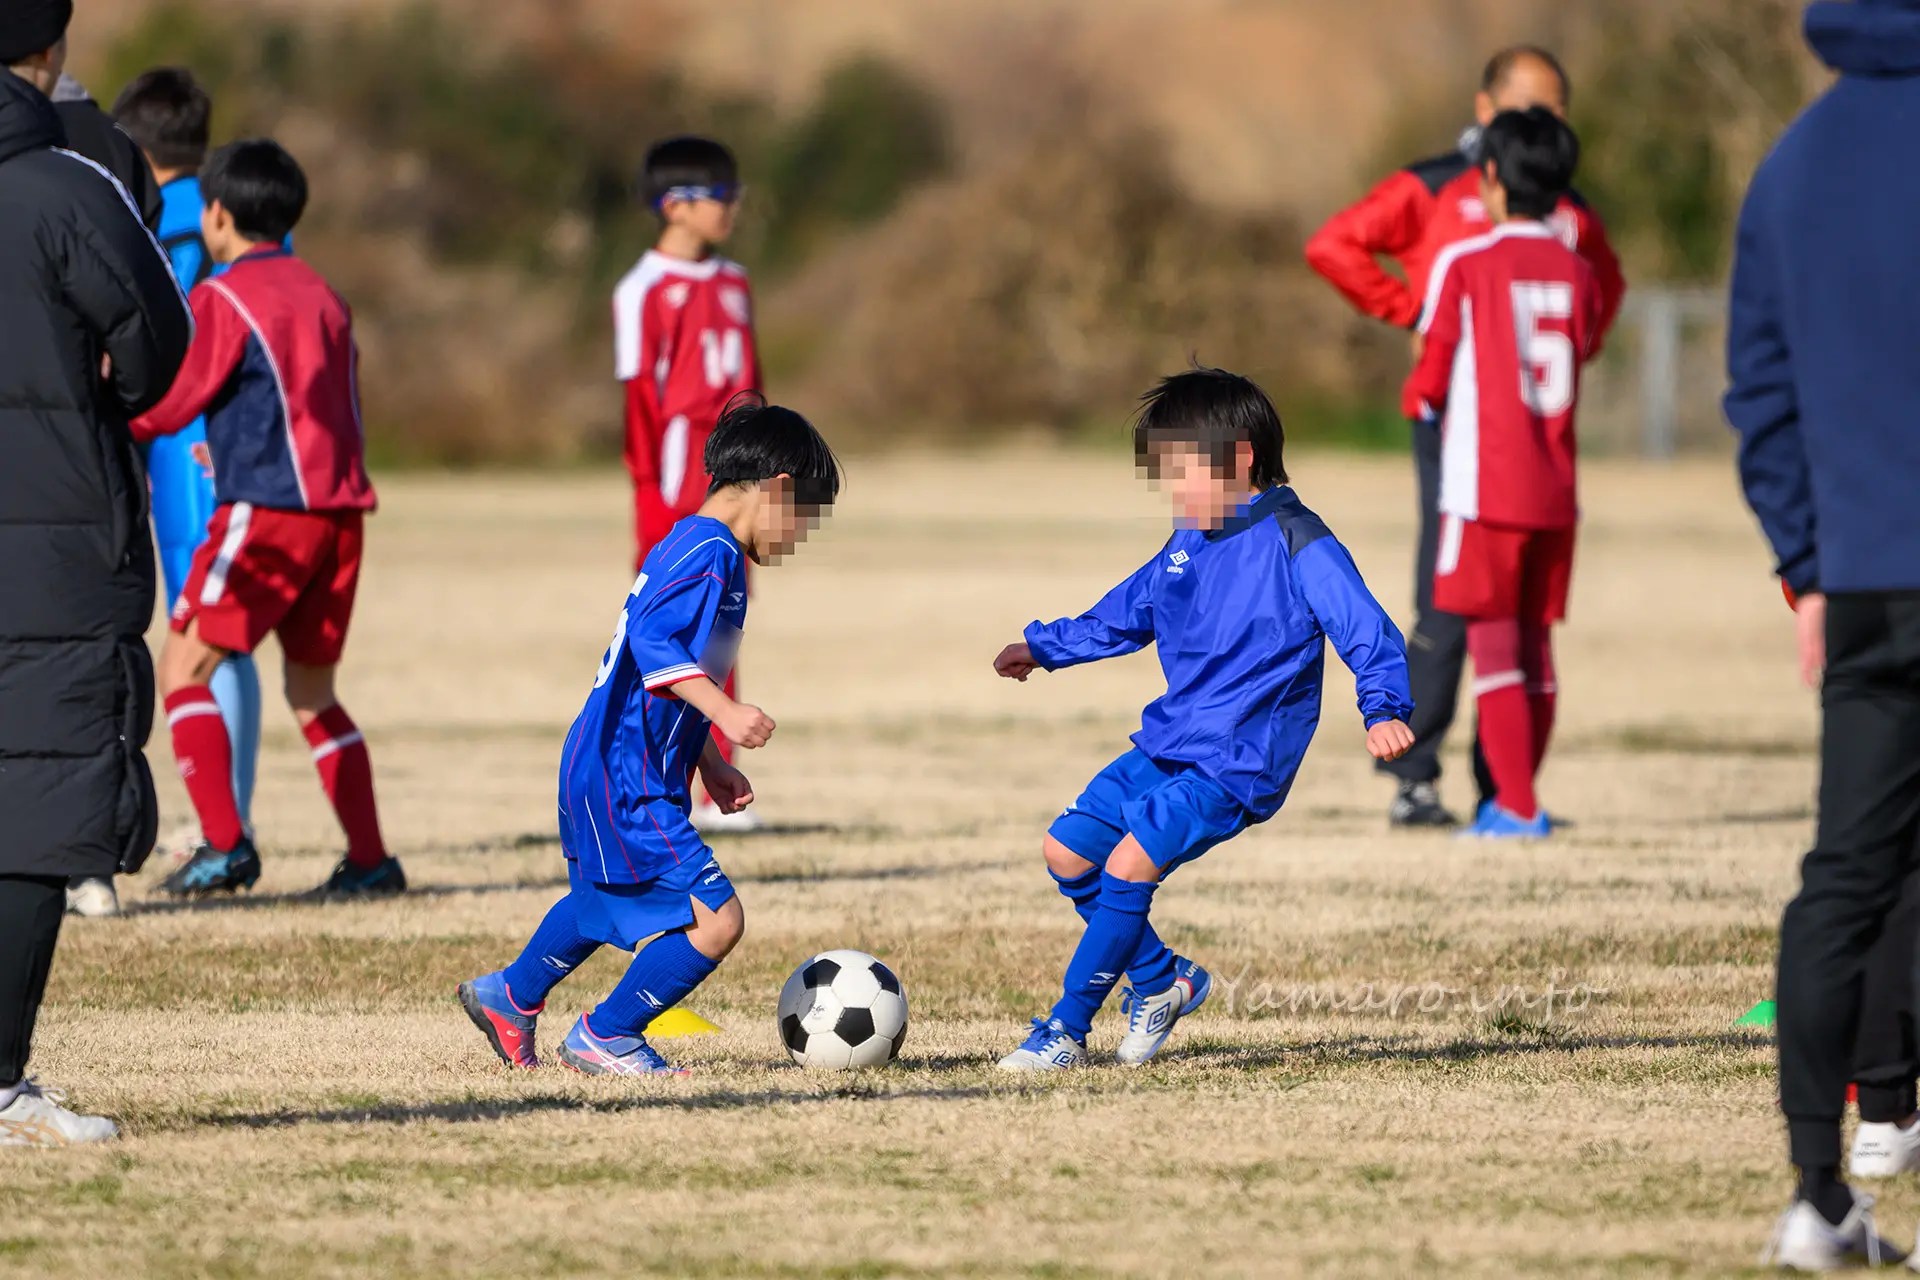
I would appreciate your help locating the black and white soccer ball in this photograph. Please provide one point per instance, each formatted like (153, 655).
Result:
(843, 1009)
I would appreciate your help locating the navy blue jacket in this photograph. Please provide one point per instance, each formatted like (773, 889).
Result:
(1823, 339)
(1241, 616)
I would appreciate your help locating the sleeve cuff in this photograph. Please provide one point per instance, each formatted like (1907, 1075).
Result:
(1036, 637)
(668, 676)
(1384, 717)
(1803, 579)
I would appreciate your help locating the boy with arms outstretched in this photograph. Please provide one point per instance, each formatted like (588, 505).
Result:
(1239, 605)
(1510, 316)
(274, 368)
(636, 867)
(683, 349)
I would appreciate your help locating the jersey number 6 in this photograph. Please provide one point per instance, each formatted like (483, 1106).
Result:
(1546, 357)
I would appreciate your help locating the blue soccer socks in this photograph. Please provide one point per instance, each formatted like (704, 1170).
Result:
(1152, 966)
(1112, 939)
(661, 976)
(555, 950)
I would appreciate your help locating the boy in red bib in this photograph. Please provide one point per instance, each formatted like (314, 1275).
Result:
(273, 367)
(1509, 318)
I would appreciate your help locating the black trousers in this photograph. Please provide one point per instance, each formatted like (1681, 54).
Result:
(1437, 646)
(31, 908)
(1845, 987)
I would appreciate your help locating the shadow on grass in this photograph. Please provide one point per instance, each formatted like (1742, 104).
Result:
(468, 1110)
(1334, 1052)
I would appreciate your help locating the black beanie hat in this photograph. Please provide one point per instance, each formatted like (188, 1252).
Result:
(29, 26)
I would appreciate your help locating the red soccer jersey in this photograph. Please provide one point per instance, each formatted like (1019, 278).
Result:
(683, 345)
(1419, 211)
(274, 368)
(1509, 318)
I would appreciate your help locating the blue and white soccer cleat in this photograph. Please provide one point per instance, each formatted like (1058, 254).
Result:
(211, 870)
(588, 1054)
(1495, 823)
(1150, 1019)
(1048, 1047)
(508, 1027)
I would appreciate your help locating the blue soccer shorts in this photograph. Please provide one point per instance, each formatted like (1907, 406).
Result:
(626, 913)
(1176, 812)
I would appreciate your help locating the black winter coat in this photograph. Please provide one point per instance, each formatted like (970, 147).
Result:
(92, 132)
(80, 278)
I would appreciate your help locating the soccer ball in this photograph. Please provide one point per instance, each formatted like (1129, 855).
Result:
(842, 1009)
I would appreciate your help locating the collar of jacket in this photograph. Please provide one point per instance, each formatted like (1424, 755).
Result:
(1259, 508)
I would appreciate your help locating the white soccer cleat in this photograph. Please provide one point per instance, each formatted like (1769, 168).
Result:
(1048, 1047)
(1150, 1019)
(1805, 1241)
(708, 819)
(93, 897)
(35, 1118)
(1883, 1150)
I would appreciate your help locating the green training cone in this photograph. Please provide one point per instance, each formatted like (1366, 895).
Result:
(1761, 1015)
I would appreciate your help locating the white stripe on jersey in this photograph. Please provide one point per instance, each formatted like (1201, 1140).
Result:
(1460, 429)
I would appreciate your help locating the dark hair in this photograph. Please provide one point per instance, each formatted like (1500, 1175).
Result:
(1502, 63)
(755, 441)
(1533, 154)
(685, 161)
(166, 111)
(1214, 411)
(259, 184)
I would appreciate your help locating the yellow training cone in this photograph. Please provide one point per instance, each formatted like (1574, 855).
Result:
(679, 1022)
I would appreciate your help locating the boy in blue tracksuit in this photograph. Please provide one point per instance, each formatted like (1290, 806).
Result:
(1239, 604)
(167, 112)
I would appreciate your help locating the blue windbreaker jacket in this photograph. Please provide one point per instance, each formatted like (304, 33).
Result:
(1240, 616)
(1824, 381)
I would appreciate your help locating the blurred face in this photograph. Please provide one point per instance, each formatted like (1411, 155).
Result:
(1204, 494)
(711, 220)
(1529, 83)
(780, 523)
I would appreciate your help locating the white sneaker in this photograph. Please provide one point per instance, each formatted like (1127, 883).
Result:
(1805, 1241)
(1883, 1150)
(1150, 1019)
(35, 1118)
(1048, 1047)
(707, 819)
(93, 896)
(178, 842)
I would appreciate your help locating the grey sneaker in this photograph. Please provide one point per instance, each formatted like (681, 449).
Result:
(1418, 805)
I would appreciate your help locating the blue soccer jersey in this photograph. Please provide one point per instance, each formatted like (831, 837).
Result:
(629, 758)
(1240, 617)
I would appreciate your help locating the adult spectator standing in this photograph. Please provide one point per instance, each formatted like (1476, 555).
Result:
(95, 135)
(1824, 392)
(1410, 217)
(92, 330)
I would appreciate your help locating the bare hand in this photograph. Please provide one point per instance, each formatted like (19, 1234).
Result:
(1389, 740)
(745, 725)
(726, 786)
(1419, 344)
(1810, 628)
(1015, 662)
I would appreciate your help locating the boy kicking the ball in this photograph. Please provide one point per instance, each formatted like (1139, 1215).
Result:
(636, 866)
(1239, 604)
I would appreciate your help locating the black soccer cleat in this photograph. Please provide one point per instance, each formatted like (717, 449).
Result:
(1418, 805)
(211, 870)
(382, 880)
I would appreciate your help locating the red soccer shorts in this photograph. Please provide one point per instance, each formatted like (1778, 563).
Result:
(288, 572)
(1491, 571)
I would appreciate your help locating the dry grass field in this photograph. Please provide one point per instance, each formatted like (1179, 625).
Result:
(303, 1097)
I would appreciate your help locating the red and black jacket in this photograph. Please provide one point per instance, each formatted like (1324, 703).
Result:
(1420, 210)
